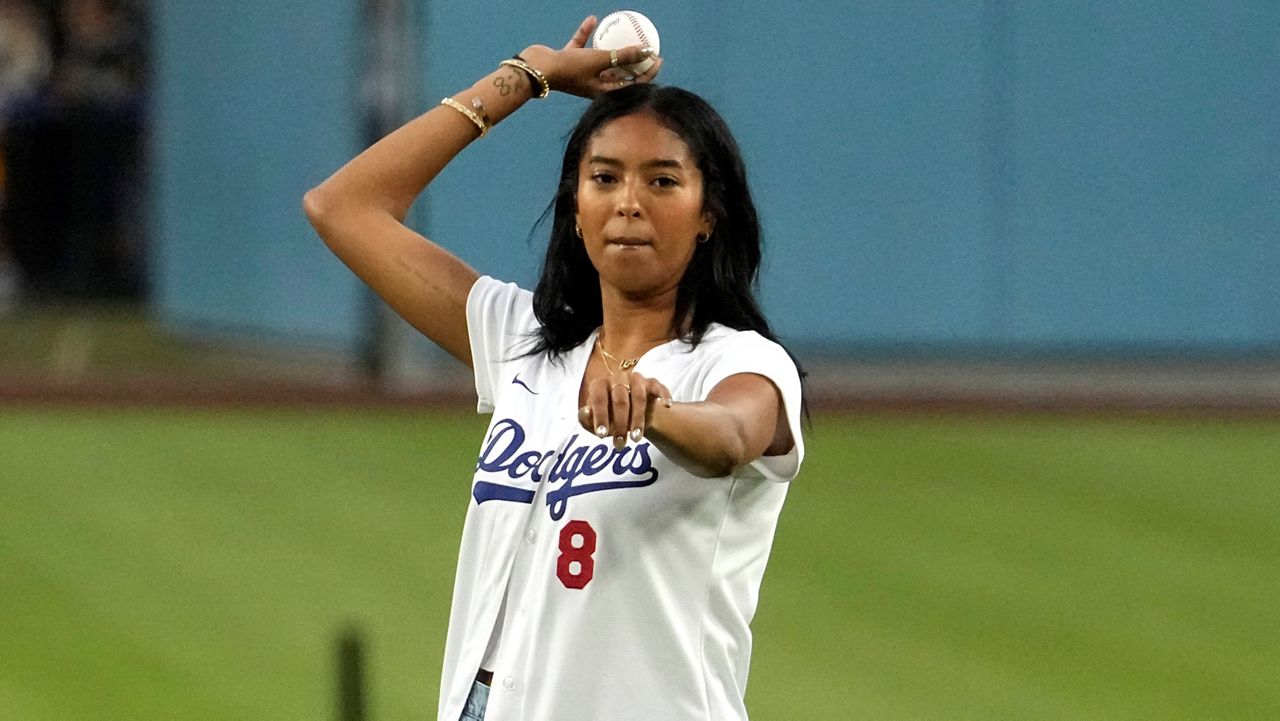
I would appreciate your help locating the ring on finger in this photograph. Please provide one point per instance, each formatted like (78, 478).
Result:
(613, 58)
(624, 385)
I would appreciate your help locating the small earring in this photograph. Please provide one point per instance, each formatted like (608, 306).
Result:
(577, 231)
(703, 237)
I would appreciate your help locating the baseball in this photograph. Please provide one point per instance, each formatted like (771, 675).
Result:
(623, 28)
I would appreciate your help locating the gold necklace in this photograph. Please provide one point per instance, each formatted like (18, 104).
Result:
(606, 356)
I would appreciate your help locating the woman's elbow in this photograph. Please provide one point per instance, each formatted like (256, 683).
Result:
(324, 215)
(716, 459)
(315, 205)
(732, 456)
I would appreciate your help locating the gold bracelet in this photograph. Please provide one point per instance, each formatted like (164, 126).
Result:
(477, 104)
(481, 125)
(532, 72)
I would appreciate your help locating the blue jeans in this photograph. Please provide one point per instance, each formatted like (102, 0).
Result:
(476, 702)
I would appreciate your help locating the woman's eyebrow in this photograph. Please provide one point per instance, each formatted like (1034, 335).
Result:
(656, 163)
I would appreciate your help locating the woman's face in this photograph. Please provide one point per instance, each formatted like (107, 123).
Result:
(639, 205)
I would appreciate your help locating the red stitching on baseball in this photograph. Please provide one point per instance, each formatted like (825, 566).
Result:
(636, 26)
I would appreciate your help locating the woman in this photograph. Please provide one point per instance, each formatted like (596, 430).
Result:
(644, 422)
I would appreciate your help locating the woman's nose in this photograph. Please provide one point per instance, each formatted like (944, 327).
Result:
(628, 202)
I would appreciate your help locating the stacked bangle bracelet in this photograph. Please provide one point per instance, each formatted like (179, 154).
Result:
(537, 78)
(481, 118)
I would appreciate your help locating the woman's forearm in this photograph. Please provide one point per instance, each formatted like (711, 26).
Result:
(708, 438)
(741, 419)
(393, 172)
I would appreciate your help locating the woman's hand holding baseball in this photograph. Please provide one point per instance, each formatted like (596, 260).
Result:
(622, 405)
(588, 72)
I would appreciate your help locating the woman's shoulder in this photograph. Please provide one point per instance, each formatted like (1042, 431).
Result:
(500, 317)
(490, 296)
(488, 285)
(721, 339)
(726, 350)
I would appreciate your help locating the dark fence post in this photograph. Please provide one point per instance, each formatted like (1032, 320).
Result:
(351, 703)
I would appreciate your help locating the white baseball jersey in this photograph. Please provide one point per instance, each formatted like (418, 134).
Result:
(601, 584)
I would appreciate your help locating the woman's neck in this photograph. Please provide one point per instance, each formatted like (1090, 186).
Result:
(631, 327)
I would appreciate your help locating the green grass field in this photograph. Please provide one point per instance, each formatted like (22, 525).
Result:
(198, 565)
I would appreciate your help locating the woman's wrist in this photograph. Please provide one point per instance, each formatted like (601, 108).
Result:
(510, 82)
(539, 87)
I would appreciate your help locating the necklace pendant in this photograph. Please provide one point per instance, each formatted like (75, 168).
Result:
(629, 363)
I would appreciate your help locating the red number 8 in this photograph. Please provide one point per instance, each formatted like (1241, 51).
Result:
(569, 554)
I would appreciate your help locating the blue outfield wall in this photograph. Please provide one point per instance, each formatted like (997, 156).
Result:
(254, 103)
(980, 177)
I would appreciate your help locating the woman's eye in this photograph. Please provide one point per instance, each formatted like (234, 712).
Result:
(665, 181)
(602, 177)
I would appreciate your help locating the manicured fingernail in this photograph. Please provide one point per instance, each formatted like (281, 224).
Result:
(636, 434)
(602, 431)
(646, 51)
(619, 441)
(668, 402)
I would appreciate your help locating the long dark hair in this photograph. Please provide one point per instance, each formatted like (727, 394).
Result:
(719, 284)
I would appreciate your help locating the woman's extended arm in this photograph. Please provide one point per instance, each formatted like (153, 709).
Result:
(359, 211)
(742, 419)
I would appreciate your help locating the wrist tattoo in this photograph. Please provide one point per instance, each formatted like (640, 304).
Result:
(509, 84)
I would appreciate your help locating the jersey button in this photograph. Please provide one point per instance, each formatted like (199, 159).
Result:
(509, 683)
(531, 536)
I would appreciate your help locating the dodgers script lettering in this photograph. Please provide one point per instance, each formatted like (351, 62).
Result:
(504, 455)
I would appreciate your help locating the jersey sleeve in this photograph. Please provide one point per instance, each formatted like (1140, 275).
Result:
(500, 322)
(749, 352)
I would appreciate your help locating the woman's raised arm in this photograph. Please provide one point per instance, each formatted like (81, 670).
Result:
(359, 211)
